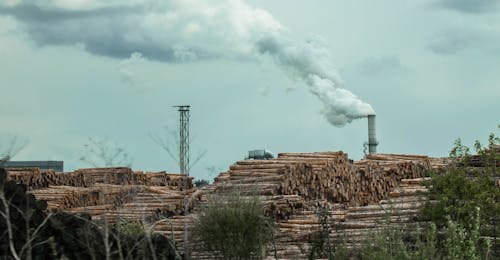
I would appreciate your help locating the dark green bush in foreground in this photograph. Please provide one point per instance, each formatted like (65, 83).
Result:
(235, 226)
(27, 231)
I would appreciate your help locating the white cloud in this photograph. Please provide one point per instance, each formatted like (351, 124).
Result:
(127, 74)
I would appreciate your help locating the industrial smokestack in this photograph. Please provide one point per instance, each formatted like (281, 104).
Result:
(372, 135)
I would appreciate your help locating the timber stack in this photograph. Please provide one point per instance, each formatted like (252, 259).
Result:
(327, 176)
(296, 188)
(35, 178)
(489, 157)
(114, 194)
(355, 195)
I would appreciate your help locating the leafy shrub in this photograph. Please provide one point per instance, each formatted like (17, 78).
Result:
(391, 242)
(234, 226)
(456, 193)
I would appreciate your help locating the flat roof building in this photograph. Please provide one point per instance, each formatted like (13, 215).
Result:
(57, 166)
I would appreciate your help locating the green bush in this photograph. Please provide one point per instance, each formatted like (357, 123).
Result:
(456, 193)
(463, 207)
(234, 226)
(388, 242)
(393, 242)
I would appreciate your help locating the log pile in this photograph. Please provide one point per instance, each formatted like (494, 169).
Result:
(168, 180)
(113, 194)
(35, 178)
(112, 175)
(482, 160)
(333, 177)
(296, 236)
(65, 197)
(281, 185)
(152, 203)
(293, 187)
(399, 210)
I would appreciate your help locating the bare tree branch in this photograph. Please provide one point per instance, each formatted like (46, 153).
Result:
(11, 149)
(103, 153)
(35, 233)
(170, 143)
(6, 216)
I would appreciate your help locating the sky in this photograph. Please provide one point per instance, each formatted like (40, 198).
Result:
(287, 76)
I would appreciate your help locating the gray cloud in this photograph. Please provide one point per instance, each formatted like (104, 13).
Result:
(450, 42)
(482, 38)
(375, 66)
(114, 31)
(32, 13)
(470, 6)
(185, 31)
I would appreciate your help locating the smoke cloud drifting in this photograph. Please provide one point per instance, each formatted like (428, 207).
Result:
(187, 31)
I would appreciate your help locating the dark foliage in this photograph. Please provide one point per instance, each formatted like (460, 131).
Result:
(70, 236)
(235, 226)
(200, 183)
(456, 193)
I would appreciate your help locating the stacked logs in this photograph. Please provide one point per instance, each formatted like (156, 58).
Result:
(112, 175)
(65, 197)
(338, 180)
(147, 204)
(125, 176)
(272, 177)
(279, 184)
(406, 166)
(399, 211)
(171, 180)
(291, 186)
(35, 178)
(380, 180)
(310, 176)
(114, 194)
(333, 176)
(327, 177)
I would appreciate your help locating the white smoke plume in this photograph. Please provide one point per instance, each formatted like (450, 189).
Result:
(311, 62)
(188, 31)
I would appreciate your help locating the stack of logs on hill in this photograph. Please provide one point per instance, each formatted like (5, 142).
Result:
(326, 176)
(111, 193)
(293, 187)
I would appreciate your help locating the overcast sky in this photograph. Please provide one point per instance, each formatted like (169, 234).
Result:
(288, 76)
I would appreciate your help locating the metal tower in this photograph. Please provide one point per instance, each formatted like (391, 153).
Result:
(184, 164)
(184, 139)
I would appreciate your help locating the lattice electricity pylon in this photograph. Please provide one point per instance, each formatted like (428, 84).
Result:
(184, 139)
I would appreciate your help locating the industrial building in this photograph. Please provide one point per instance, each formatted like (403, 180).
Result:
(57, 166)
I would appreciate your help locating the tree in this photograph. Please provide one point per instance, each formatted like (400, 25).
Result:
(235, 226)
(22, 221)
(9, 149)
(169, 142)
(456, 193)
(466, 187)
(104, 153)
